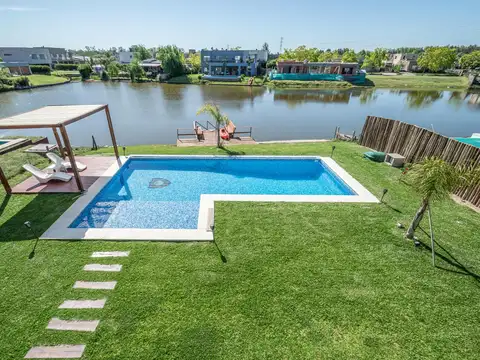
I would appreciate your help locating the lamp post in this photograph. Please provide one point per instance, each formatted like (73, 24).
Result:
(333, 149)
(28, 225)
(385, 191)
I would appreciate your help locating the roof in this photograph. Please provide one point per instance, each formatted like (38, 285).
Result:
(50, 116)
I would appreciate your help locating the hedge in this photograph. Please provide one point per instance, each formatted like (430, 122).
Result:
(66, 66)
(9, 82)
(40, 69)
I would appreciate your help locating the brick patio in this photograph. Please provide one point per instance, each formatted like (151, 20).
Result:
(96, 166)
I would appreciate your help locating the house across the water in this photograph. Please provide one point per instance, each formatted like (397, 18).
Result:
(318, 71)
(229, 65)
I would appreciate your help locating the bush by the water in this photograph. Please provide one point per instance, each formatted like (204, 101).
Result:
(41, 69)
(105, 76)
(66, 67)
(85, 71)
(8, 82)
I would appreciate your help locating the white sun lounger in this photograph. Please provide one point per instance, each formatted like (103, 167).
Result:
(62, 165)
(44, 177)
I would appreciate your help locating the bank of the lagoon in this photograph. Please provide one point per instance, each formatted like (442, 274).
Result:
(150, 113)
(303, 281)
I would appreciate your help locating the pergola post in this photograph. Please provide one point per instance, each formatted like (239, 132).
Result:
(112, 134)
(5, 183)
(59, 142)
(66, 141)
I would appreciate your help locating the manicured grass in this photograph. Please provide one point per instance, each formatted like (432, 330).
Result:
(421, 82)
(193, 79)
(302, 281)
(310, 84)
(36, 80)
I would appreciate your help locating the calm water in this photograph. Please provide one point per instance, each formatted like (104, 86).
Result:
(150, 113)
(165, 193)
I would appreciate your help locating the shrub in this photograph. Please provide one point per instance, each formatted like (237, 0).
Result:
(113, 69)
(66, 67)
(200, 77)
(85, 71)
(21, 81)
(242, 77)
(105, 76)
(41, 69)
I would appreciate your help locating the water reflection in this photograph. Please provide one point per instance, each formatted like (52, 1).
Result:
(294, 98)
(474, 101)
(231, 96)
(417, 99)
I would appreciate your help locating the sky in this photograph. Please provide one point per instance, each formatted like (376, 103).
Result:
(194, 24)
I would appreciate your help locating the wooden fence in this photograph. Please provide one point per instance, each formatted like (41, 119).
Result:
(416, 143)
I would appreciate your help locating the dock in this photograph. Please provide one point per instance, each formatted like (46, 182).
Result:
(189, 137)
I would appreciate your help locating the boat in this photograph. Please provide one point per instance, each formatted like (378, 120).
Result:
(473, 140)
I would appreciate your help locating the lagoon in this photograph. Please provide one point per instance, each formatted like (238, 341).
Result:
(150, 113)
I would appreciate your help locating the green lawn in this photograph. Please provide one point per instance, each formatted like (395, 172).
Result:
(36, 80)
(193, 79)
(302, 281)
(420, 82)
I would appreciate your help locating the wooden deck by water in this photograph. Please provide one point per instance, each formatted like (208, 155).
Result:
(96, 166)
(210, 139)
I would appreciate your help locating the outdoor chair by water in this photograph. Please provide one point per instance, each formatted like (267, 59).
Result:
(44, 177)
(60, 165)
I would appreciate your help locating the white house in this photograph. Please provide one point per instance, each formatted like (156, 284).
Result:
(32, 56)
(125, 57)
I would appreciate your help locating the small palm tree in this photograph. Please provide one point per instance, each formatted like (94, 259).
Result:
(220, 118)
(435, 179)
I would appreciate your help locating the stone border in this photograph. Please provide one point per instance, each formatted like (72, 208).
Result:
(60, 229)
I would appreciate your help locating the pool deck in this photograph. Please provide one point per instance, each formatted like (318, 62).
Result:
(96, 167)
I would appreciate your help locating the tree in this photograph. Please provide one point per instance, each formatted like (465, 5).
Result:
(221, 119)
(266, 47)
(375, 59)
(1, 59)
(135, 70)
(113, 69)
(349, 56)
(437, 58)
(435, 179)
(271, 63)
(140, 52)
(194, 61)
(470, 61)
(85, 71)
(172, 59)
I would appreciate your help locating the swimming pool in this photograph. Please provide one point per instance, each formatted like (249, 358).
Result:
(159, 197)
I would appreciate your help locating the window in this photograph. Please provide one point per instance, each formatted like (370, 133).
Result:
(206, 58)
(41, 56)
(34, 56)
(238, 59)
(7, 54)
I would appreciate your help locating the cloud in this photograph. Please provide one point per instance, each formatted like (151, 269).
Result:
(20, 9)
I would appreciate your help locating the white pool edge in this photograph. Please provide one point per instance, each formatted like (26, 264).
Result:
(60, 229)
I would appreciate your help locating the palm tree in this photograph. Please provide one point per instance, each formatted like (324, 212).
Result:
(220, 118)
(435, 179)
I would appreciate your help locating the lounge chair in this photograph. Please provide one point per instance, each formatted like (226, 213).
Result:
(230, 129)
(44, 177)
(60, 165)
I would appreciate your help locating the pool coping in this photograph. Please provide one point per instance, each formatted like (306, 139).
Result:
(60, 229)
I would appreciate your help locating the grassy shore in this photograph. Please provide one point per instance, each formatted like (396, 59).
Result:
(193, 79)
(419, 82)
(36, 80)
(330, 281)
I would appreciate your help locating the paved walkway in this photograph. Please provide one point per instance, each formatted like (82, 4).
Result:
(65, 351)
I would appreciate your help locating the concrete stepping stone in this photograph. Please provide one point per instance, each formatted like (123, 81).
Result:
(73, 325)
(95, 285)
(103, 254)
(101, 267)
(56, 352)
(83, 304)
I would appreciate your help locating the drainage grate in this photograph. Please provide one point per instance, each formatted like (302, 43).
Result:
(157, 183)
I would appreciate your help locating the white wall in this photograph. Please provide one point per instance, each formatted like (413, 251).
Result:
(125, 57)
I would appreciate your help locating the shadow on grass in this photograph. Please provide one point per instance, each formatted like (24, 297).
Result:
(449, 259)
(41, 212)
(231, 152)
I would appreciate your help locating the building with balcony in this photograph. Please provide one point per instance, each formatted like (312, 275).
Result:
(31, 56)
(231, 64)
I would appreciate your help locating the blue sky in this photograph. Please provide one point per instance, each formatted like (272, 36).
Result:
(198, 24)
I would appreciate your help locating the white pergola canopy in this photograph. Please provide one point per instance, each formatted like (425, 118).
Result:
(56, 117)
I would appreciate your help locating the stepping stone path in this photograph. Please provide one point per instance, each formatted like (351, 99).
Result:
(73, 325)
(76, 351)
(83, 304)
(56, 352)
(96, 285)
(100, 267)
(102, 254)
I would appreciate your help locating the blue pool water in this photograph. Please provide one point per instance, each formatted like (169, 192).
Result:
(164, 193)
(3, 142)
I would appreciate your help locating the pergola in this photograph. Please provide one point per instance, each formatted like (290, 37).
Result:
(56, 118)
